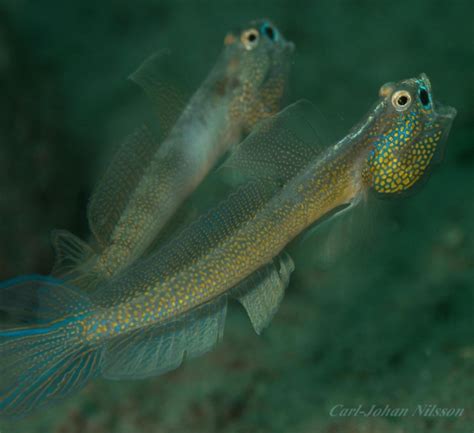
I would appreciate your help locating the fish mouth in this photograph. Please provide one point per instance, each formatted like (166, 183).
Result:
(289, 46)
(285, 49)
(445, 111)
(282, 53)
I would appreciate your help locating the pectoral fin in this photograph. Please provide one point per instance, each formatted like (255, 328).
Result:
(262, 292)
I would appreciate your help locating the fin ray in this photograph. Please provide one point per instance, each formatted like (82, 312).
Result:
(154, 77)
(113, 191)
(70, 252)
(43, 359)
(161, 348)
(194, 240)
(262, 292)
(278, 147)
(40, 369)
(38, 299)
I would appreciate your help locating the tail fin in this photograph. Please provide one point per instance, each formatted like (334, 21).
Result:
(74, 261)
(45, 359)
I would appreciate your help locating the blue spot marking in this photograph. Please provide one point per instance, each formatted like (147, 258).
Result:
(424, 97)
(269, 31)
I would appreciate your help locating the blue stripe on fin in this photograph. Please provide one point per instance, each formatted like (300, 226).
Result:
(38, 299)
(40, 366)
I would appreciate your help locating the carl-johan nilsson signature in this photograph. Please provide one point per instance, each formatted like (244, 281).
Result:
(424, 410)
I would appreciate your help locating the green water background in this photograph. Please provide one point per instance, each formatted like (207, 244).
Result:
(388, 323)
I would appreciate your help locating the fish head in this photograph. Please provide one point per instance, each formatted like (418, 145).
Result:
(408, 136)
(257, 63)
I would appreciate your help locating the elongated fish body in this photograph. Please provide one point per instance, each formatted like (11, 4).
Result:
(172, 304)
(245, 86)
(389, 152)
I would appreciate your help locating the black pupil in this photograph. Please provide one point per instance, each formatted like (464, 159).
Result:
(402, 100)
(252, 37)
(269, 32)
(424, 98)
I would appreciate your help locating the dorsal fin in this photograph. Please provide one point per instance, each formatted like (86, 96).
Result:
(279, 147)
(113, 191)
(275, 151)
(213, 227)
(185, 215)
(156, 76)
(193, 241)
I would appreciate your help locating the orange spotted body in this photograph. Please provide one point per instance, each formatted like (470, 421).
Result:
(245, 86)
(387, 152)
(172, 304)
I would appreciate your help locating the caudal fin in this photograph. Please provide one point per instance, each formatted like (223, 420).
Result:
(45, 359)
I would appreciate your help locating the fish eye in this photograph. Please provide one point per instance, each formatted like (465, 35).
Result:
(250, 39)
(269, 31)
(424, 97)
(401, 100)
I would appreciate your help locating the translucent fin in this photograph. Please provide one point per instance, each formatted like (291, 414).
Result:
(154, 77)
(279, 147)
(70, 252)
(41, 365)
(161, 348)
(183, 217)
(446, 116)
(39, 299)
(355, 226)
(115, 188)
(262, 292)
(334, 237)
(192, 242)
(45, 360)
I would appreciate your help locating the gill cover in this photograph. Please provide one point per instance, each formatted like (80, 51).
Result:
(412, 137)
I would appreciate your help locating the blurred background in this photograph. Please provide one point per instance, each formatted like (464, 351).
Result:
(390, 322)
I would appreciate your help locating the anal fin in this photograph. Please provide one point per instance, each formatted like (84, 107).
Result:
(163, 347)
